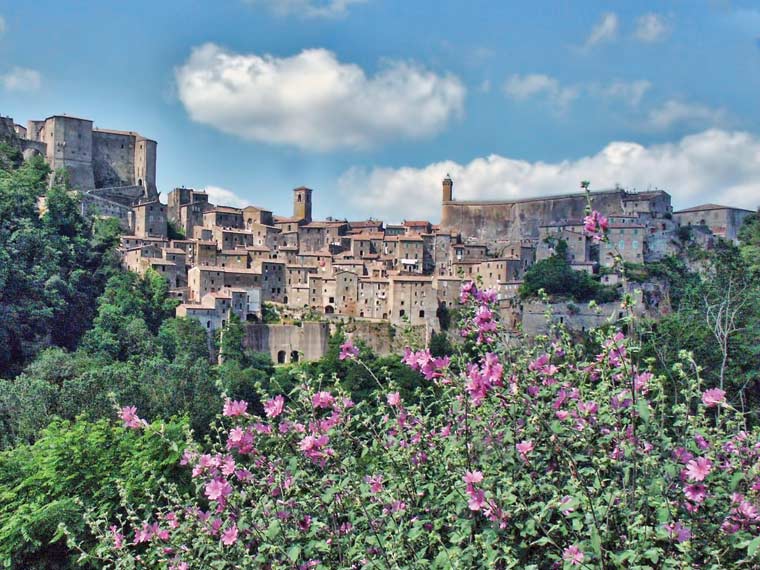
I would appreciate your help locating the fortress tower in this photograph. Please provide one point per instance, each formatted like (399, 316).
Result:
(448, 189)
(302, 204)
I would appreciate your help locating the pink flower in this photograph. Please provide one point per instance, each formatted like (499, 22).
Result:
(375, 483)
(477, 498)
(596, 225)
(697, 469)
(128, 414)
(348, 351)
(678, 532)
(573, 555)
(235, 408)
(394, 399)
(524, 448)
(230, 536)
(218, 489)
(471, 477)
(273, 407)
(696, 493)
(118, 538)
(322, 400)
(713, 397)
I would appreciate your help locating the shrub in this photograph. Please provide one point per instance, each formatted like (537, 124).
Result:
(528, 459)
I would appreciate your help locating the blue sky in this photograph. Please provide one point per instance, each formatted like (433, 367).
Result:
(371, 103)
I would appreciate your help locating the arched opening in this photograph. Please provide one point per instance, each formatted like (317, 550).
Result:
(251, 318)
(385, 315)
(139, 182)
(329, 310)
(285, 299)
(294, 356)
(401, 313)
(281, 357)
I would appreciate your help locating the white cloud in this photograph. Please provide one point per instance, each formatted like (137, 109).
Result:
(559, 96)
(523, 87)
(313, 101)
(308, 8)
(711, 166)
(21, 79)
(651, 28)
(631, 92)
(223, 197)
(674, 112)
(604, 31)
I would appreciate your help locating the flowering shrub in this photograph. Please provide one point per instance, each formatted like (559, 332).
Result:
(554, 457)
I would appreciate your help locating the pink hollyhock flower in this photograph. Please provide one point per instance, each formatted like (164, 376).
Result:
(348, 351)
(235, 407)
(218, 489)
(467, 290)
(678, 532)
(473, 477)
(375, 483)
(697, 469)
(477, 498)
(713, 397)
(274, 407)
(524, 448)
(128, 415)
(118, 537)
(596, 225)
(394, 399)
(573, 555)
(322, 400)
(696, 493)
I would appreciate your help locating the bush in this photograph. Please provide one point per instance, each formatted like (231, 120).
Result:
(75, 468)
(539, 458)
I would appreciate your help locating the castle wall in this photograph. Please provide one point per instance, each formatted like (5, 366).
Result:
(69, 146)
(513, 220)
(309, 340)
(113, 159)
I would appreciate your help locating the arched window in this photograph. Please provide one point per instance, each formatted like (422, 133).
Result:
(281, 357)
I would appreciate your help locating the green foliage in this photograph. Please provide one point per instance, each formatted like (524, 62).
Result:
(74, 468)
(52, 267)
(269, 313)
(174, 231)
(726, 287)
(558, 279)
(440, 345)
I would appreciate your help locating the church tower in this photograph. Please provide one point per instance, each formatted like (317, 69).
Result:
(302, 204)
(448, 189)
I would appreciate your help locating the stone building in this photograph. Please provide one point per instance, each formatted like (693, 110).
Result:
(97, 158)
(723, 221)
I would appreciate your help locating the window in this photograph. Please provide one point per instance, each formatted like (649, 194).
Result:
(401, 313)
(621, 245)
(422, 314)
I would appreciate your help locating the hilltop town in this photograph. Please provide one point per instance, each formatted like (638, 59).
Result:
(308, 274)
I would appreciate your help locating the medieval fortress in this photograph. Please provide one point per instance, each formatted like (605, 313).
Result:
(221, 261)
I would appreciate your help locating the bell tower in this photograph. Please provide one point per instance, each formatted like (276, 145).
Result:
(448, 189)
(302, 204)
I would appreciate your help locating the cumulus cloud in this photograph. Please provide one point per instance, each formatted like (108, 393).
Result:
(21, 79)
(308, 8)
(710, 166)
(524, 87)
(651, 28)
(313, 101)
(605, 30)
(223, 197)
(680, 113)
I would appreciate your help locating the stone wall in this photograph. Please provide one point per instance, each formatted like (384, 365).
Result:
(288, 343)
(493, 221)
